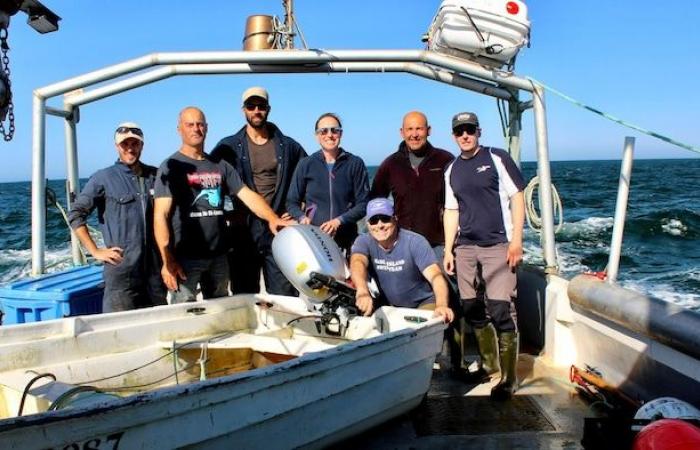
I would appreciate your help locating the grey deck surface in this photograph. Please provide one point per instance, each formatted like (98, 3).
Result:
(545, 414)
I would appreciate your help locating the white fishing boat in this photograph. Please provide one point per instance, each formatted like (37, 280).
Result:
(229, 373)
(643, 348)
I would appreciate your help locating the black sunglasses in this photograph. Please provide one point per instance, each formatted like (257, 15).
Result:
(254, 106)
(332, 130)
(124, 130)
(469, 128)
(379, 218)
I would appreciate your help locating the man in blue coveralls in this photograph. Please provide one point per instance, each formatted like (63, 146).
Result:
(123, 196)
(402, 263)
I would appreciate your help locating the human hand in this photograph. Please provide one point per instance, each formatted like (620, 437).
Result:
(448, 263)
(279, 223)
(515, 254)
(171, 273)
(111, 255)
(364, 302)
(446, 312)
(305, 221)
(331, 226)
(287, 216)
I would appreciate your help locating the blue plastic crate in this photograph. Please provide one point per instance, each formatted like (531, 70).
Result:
(73, 292)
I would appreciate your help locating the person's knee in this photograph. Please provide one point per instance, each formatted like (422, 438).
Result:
(502, 315)
(474, 312)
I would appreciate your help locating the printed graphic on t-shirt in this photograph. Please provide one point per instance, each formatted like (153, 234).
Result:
(209, 186)
(383, 265)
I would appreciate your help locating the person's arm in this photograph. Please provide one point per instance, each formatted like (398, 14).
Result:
(257, 204)
(360, 190)
(171, 271)
(111, 255)
(358, 273)
(515, 247)
(86, 202)
(380, 184)
(450, 221)
(434, 275)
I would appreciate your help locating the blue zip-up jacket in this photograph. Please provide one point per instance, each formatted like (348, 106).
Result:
(125, 214)
(234, 150)
(342, 192)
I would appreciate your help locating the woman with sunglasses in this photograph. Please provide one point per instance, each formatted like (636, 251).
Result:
(330, 188)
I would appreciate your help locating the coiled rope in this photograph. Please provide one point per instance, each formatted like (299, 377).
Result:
(533, 218)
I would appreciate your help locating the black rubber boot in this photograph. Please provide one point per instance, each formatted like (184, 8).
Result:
(488, 348)
(508, 348)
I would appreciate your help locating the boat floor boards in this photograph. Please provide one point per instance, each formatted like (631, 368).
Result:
(545, 413)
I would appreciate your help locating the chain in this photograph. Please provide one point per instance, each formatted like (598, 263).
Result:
(4, 48)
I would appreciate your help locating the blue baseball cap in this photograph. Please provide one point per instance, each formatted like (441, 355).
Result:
(379, 206)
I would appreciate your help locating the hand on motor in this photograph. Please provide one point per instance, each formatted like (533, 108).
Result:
(171, 273)
(305, 221)
(444, 311)
(364, 303)
(111, 255)
(448, 263)
(331, 226)
(280, 222)
(515, 254)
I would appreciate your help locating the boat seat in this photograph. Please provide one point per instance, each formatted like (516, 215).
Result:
(267, 344)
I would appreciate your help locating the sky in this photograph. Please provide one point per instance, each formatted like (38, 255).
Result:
(636, 60)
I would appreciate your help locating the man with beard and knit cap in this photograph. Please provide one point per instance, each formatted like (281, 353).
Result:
(265, 159)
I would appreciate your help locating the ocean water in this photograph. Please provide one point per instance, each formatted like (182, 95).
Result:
(661, 247)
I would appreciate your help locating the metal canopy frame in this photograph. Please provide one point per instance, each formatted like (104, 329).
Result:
(159, 66)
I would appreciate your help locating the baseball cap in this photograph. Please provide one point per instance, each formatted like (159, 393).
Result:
(255, 92)
(464, 118)
(379, 206)
(127, 130)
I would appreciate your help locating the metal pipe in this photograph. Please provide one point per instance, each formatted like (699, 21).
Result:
(285, 60)
(210, 69)
(623, 190)
(57, 112)
(545, 189)
(38, 185)
(72, 179)
(514, 126)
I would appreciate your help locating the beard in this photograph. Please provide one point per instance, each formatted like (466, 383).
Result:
(257, 121)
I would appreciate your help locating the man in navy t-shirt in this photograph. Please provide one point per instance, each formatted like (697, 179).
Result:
(484, 214)
(402, 263)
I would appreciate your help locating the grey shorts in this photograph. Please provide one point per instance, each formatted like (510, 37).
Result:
(499, 279)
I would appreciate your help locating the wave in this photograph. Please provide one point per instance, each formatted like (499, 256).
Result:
(17, 264)
(670, 223)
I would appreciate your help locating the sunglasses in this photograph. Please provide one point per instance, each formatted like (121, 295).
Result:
(125, 130)
(469, 128)
(379, 218)
(254, 106)
(332, 130)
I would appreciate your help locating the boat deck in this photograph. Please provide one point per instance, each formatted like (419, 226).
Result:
(545, 413)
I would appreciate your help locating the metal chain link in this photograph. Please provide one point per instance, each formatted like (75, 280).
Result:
(4, 48)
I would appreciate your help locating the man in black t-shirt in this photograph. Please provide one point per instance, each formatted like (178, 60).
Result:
(189, 213)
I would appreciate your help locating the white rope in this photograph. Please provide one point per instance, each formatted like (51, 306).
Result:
(533, 218)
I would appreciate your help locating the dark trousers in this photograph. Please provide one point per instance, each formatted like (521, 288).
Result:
(245, 262)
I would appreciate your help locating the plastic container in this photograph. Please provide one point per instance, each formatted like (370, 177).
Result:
(73, 292)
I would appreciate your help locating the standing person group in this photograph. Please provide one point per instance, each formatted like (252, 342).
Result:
(466, 213)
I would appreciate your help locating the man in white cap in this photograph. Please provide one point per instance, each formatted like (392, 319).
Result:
(123, 196)
(265, 160)
(402, 263)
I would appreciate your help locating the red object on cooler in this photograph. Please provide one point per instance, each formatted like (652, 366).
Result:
(668, 434)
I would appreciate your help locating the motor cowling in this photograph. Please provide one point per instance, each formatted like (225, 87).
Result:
(300, 250)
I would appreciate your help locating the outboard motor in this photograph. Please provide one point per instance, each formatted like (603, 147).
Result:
(313, 263)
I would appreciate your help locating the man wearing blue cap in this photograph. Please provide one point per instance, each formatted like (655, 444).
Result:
(402, 263)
